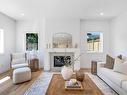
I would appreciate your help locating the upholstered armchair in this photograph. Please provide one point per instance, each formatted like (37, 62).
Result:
(18, 60)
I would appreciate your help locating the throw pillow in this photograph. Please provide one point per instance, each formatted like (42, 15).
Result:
(117, 62)
(109, 62)
(122, 68)
(120, 56)
(125, 58)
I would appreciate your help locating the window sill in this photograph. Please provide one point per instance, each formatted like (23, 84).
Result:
(94, 52)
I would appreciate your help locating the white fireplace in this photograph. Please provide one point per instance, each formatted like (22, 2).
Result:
(59, 53)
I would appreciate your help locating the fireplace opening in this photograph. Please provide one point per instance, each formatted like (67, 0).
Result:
(60, 61)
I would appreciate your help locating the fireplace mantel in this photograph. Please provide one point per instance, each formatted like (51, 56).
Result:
(47, 59)
(62, 49)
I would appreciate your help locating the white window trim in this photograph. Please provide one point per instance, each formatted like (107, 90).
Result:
(102, 44)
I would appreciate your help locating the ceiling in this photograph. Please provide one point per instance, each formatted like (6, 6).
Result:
(83, 9)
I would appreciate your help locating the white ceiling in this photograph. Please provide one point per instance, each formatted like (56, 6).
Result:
(84, 9)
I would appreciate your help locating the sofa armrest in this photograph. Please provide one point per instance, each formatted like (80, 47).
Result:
(101, 64)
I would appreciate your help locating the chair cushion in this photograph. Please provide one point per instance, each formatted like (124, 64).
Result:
(19, 65)
(18, 61)
(115, 77)
(18, 55)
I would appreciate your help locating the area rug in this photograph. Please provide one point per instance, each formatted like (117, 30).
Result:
(40, 86)
(101, 85)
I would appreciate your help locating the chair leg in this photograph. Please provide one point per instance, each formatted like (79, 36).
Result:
(11, 73)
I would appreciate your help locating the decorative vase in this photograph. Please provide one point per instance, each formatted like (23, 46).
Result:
(80, 76)
(67, 72)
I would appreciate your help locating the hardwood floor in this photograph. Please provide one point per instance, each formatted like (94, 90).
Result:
(8, 88)
(57, 87)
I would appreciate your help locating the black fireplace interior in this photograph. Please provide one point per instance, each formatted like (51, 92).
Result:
(60, 61)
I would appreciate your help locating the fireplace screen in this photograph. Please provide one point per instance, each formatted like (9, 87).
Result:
(60, 61)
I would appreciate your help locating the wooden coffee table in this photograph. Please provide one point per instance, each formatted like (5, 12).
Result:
(57, 87)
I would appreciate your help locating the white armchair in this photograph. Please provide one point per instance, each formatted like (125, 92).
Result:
(18, 60)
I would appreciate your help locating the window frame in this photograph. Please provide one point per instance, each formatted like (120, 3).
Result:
(101, 42)
(26, 42)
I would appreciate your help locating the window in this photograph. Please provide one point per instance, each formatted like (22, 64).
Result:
(31, 41)
(1, 41)
(94, 42)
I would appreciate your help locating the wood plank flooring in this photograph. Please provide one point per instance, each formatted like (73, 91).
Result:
(8, 88)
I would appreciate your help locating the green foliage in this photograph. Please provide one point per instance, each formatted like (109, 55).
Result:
(31, 38)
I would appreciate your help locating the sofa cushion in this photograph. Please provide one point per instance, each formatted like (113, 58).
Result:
(115, 77)
(121, 68)
(19, 65)
(124, 58)
(117, 63)
(124, 85)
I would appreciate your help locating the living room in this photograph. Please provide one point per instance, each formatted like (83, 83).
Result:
(86, 36)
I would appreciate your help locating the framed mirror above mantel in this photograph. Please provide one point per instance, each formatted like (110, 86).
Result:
(62, 40)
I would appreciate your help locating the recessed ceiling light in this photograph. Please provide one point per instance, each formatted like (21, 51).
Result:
(22, 14)
(101, 14)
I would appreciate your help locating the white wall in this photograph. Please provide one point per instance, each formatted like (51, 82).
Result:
(71, 26)
(89, 26)
(24, 27)
(78, 28)
(45, 28)
(9, 26)
(119, 35)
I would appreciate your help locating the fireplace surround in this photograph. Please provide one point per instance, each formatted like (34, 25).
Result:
(58, 59)
(49, 61)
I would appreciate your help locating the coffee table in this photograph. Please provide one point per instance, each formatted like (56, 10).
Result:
(57, 87)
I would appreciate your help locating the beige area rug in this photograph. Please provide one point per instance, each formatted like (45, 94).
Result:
(40, 86)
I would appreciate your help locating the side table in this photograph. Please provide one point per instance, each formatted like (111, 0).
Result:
(34, 64)
(94, 67)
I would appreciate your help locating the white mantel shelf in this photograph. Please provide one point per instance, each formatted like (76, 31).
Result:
(47, 63)
(62, 50)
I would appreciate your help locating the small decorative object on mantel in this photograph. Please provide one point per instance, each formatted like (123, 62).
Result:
(80, 76)
(76, 45)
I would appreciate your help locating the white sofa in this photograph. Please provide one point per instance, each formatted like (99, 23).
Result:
(115, 80)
